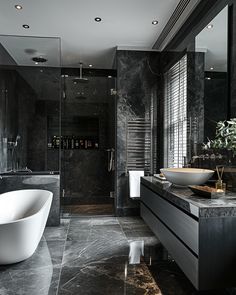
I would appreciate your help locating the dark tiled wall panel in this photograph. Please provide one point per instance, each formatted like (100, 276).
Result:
(136, 84)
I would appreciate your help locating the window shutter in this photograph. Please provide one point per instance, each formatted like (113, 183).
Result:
(175, 114)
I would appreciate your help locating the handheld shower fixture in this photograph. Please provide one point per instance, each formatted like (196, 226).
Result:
(17, 139)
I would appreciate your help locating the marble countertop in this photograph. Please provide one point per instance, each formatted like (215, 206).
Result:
(190, 202)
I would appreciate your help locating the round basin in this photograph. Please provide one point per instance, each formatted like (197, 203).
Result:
(187, 176)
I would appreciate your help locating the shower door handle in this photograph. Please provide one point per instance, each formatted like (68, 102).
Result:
(111, 159)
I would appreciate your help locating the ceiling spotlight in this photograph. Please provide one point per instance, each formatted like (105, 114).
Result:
(25, 26)
(109, 77)
(98, 19)
(155, 22)
(36, 63)
(210, 26)
(90, 66)
(211, 68)
(18, 7)
(208, 78)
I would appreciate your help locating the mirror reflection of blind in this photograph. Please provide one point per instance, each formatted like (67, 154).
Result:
(175, 114)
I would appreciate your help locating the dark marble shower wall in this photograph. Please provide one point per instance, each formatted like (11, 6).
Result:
(137, 85)
(17, 99)
(28, 97)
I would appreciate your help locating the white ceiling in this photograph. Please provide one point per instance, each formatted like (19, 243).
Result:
(124, 23)
(214, 43)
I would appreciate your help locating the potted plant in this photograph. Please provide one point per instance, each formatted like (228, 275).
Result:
(225, 143)
(225, 138)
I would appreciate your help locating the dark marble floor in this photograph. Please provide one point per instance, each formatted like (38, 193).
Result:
(98, 255)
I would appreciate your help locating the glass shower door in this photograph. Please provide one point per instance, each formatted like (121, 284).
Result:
(87, 123)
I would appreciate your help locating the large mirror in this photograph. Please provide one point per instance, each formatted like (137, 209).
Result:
(212, 43)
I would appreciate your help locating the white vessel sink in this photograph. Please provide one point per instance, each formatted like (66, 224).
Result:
(187, 176)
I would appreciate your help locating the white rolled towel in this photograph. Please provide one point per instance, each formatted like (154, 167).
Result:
(134, 183)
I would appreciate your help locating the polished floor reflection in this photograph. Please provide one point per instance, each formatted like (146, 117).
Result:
(98, 255)
(88, 210)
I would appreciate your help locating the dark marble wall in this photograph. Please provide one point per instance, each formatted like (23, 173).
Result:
(45, 182)
(232, 64)
(85, 178)
(137, 84)
(215, 105)
(195, 102)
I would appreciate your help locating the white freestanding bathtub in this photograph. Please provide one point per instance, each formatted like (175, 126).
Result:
(23, 216)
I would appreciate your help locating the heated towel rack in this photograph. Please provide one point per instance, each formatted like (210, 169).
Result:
(138, 145)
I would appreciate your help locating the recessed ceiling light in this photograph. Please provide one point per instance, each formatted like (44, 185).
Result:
(39, 59)
(109, 77)
(36, 63)
(211, 68)
(210, 26)
(98, 19)
(208, 78)
(25, 26)
(18, 7)
(90, 65)
(155, 22)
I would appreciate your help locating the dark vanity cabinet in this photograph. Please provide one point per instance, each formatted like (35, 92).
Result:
(200, 236)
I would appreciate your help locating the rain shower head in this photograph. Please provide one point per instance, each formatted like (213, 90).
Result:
(80, 79)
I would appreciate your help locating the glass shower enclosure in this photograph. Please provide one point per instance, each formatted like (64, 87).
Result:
(88, 139)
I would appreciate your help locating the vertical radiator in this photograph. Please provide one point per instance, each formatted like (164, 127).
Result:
(139, 145)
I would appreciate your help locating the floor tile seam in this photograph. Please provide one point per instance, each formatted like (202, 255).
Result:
(102, 239)
(97, 263)
(61, 266)
(123, 231)
(54, 266)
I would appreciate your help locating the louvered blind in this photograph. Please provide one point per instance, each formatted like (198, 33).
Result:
(175, 114)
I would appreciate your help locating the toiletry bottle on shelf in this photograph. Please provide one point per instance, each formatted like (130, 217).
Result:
(64, 142)
(81, 144)
(67, 142)
(72, 142)
(54, 141)
(86, 144)
(89, 144)
(77, 143)
(57, 142)
(50, 143)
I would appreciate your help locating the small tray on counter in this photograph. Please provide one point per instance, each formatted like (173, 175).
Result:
(206, 191)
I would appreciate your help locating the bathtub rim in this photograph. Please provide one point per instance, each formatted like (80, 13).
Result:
(33, 215)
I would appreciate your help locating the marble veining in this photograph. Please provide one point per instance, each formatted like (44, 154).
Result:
(136, 84)
(185, 199)
(97, 263)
